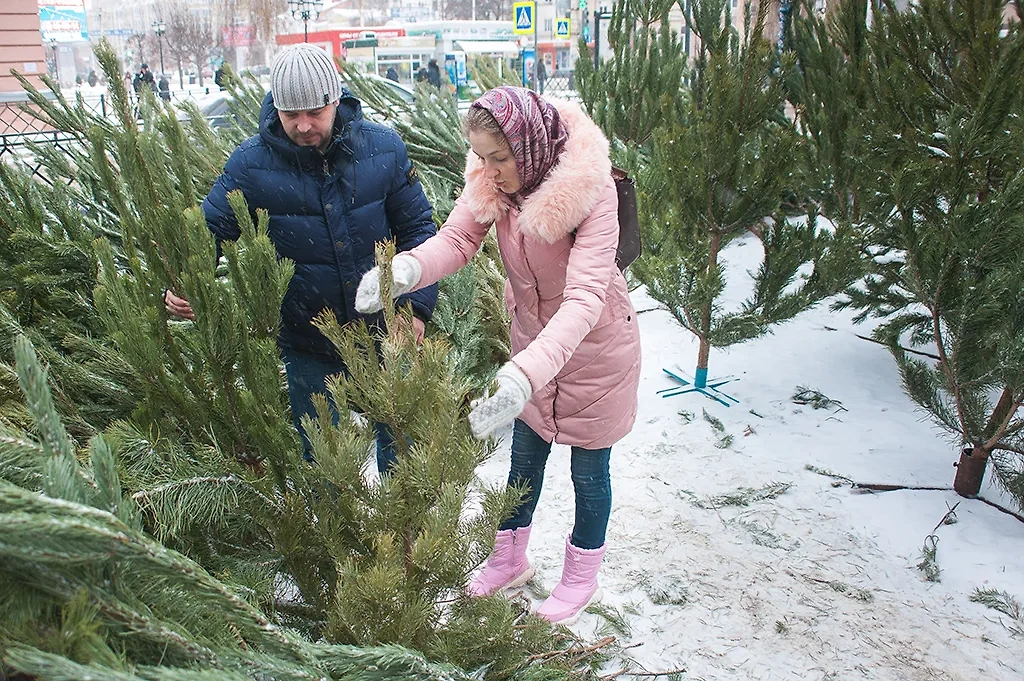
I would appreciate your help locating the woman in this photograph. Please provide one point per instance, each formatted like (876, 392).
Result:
(540, 172)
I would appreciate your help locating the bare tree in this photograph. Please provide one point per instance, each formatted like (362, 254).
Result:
(485, 9)
(138, 43)
(177, 19)
(189, 37)
(262, 15)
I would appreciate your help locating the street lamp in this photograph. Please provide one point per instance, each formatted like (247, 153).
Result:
(56, 67)
(305, 10)
(159, 27)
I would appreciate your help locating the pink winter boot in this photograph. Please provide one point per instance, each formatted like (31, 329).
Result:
(578, 587)
(507, 565)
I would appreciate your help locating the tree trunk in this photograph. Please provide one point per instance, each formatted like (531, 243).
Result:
(999, 413)
(700, 378)
(970, 471)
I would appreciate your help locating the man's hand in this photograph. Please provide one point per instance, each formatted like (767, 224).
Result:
(405, 274)
(179, 307)
(416, 326)
(491, 413)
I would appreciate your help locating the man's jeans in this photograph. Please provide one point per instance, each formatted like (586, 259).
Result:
(307, 375)
(590, 477)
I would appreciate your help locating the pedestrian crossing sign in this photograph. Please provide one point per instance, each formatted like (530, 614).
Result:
(522, 17)
(562, 29)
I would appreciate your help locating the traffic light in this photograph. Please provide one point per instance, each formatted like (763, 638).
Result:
(583, 5)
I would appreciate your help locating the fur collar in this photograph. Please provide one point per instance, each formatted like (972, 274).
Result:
(566, 196)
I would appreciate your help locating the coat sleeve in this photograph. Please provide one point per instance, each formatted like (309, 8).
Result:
(588, 275)
(454, 246)
(412, 223)
(219, 216)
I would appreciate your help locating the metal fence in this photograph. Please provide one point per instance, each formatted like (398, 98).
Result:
(15, 119)
(17, 147)
(20, 129)
(560, 84)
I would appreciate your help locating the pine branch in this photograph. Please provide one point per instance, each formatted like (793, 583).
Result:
(1000, 431)
(78, 534)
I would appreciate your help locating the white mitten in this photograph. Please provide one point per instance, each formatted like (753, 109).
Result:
(405, 274)
(504, 405)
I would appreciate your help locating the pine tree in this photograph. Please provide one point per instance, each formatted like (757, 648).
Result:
(947, 210)
(86, 593)
(431, 130)
(640, 89)
(829, 91)
(484, 72)
(46, 252)
(718, 172)
(47, 273)
(214, 381)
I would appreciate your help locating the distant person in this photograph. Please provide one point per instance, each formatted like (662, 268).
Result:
(392, 74)
(542, 76)
(218, 76)
(164, 88)
(434, 73)
(144, 79)
(421, 75)
(92, 79)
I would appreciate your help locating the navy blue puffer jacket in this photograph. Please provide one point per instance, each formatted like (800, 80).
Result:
(327, 210)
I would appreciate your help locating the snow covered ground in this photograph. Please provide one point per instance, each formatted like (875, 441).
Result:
(819, 582)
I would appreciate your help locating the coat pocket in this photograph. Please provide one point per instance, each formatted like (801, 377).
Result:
(510, 299)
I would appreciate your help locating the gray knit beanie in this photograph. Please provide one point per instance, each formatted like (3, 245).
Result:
(304, 77)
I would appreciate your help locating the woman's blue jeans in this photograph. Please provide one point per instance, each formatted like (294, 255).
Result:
(307, 375)
(590, 477)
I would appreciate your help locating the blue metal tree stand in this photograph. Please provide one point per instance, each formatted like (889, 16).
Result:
(699, 384)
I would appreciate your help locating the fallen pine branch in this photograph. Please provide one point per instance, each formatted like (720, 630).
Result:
(572, 650)
(654, 674)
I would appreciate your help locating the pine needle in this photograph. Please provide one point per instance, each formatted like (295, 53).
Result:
(929, 565)
(744, 496)
(837, 477)
(615, 621)
(816, 399)
(1000, 601)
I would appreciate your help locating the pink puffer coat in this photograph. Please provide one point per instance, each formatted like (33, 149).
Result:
(574, 331)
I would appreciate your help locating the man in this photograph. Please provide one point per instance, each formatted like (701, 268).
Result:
(434, 73)
(334, 185)
(144, 78)
(164, 86)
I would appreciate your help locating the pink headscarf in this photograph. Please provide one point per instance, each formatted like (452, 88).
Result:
(533, 129)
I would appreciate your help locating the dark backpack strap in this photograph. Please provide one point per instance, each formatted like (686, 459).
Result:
(630, 247)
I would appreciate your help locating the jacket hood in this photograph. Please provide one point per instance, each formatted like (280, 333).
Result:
(347, 121)
(565, 197)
